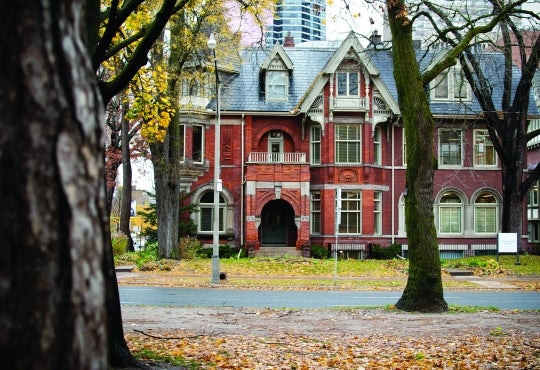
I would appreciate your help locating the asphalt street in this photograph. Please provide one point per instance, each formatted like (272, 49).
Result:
(219, 297)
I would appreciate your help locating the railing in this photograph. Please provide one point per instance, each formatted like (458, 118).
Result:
(265, 157)
(350, 103)
(451, 251)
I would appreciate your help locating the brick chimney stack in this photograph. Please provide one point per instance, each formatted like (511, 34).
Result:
(289, 40)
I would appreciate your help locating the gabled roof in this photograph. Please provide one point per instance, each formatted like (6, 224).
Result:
(278, 50)
(312, 63)
(350, 45)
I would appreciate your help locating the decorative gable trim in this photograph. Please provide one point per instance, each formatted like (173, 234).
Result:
(351, 51)
(278, 51)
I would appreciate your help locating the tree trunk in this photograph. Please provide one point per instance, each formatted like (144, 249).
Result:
(423, 291)
(52, 290)
(125, 208)
(166, 159)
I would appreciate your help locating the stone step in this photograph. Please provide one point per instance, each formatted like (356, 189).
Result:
(278, 251)
(458, 272)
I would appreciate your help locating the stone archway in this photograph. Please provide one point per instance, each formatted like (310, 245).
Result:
(277, 228)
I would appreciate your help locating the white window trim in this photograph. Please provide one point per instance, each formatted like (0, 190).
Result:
(285, 96)
(451, 87)
(444, 165)
(496, 157)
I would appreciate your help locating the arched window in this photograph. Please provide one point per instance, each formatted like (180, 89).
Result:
(486, 218)
(206, 213)
(450, 213)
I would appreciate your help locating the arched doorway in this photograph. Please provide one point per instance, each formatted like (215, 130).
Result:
(277, 227)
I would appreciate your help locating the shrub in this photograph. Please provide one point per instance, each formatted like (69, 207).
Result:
(189, 248)
(386, 253)
(119, 244)
(148, 254)
(319, 252)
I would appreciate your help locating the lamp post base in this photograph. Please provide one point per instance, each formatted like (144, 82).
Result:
(215, 269)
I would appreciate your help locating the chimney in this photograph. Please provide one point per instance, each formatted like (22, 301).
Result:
(289, 40)
(375, 38)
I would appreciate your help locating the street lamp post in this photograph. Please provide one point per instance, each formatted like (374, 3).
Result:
(217, 181)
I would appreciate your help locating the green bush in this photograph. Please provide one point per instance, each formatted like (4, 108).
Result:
(148, 254)
(386, 252)
(319, 252)
(119, 244)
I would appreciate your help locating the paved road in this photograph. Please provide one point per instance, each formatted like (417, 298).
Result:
(216, 297)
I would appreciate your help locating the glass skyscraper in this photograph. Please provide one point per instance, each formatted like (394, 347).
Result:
(304, 20)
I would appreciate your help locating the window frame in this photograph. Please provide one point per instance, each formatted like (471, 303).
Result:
(202, 143)
(206, 210)
(315, 219)
(377, 212)
(351, 213)
(315, 137)
(377, 146)
(456, 88)
(277, 79)
(350, 88)
(488, 144)
(348, 143)
(441, 156)
(485, 206)
(456, 208)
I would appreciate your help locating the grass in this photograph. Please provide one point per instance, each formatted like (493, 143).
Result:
(296, 266)
(488, 265)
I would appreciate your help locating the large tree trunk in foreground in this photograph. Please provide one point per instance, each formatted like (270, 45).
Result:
(52, 287)
(424, 290)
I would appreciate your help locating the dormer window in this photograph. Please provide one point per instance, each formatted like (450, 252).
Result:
(451, 85)
(275, 72)
(347, 83)
(277, 81)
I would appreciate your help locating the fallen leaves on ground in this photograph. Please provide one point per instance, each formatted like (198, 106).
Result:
(473, 350)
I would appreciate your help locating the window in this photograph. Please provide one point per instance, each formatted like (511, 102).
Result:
(276, 85)
(315, 212)
(485, 214)
(197, 142)
(275, 146)
(450, 214)
(484, 151)
(348, 143)
(315, 144)
(450, 148)
(206, 213)
(451, 85)
(377, 152)
(351, 212)
(347, 83)
(182, 142)
(377, 213)
(404, 147)
(533, 195)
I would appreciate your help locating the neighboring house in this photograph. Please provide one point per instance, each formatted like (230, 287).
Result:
(312, 153)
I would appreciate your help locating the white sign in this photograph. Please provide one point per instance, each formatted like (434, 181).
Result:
(507, 243)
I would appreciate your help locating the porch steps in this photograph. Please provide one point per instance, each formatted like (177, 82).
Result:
(278, 251)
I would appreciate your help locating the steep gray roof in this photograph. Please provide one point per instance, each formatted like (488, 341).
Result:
(244, 91)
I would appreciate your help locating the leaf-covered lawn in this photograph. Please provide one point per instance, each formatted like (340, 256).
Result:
(235, 338)
(290, 351)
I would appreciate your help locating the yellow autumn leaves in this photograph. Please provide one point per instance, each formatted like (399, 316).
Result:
(150, 102)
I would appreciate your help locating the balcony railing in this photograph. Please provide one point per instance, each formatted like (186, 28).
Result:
(350, 103)
(265, 157)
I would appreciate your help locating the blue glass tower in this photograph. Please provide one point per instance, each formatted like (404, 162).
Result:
(303, 19)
